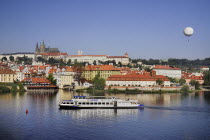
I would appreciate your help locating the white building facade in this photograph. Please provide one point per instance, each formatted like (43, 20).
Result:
(168, 71)
(91, 58)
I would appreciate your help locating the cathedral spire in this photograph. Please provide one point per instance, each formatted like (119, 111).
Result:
(37, 46)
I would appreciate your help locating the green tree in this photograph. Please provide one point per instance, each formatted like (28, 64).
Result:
(119, 64)
(4, 89)
(182, 81)
(53, 61)
(78, 68)
(40, 59)
(4, 59)
(21, 87)
(11, 58)
(207, 77)
(185, 89)
(51, 79)
(94, 62)
(159, 81)
(98, 83)
(147, 69)
(195, 83)
(69, 62)
(14, 87)
(62, 63)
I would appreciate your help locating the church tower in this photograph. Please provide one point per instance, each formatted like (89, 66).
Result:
(37, 48)
(126, 54)
(42, 47)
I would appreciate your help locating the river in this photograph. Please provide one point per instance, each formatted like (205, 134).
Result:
(166, 116)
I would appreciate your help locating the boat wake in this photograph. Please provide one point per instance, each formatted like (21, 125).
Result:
(190, 109)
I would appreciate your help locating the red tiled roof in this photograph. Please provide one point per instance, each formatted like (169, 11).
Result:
(36, 80)
(165, 67)
(101, 67)
(52, 71)
(137, 77)
(54, 54)
(6, 71)
(204, 67)
(117, 57)
(193, 77)
(69, 69)
(86, 55)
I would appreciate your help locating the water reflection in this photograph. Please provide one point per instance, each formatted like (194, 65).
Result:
(100, 113)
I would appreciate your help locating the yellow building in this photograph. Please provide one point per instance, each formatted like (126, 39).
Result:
(105, 71)
(7, 75)
(64, 77)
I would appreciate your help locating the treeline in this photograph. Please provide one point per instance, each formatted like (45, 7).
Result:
(175, 62)
(19, 60)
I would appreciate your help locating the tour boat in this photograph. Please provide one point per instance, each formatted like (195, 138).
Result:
(99, 102)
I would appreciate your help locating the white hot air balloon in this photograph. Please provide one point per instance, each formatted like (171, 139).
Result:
(188, 31)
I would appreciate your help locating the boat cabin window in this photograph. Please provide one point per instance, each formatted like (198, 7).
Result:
(95, 103)
(67, 102)
(79, 97)
(103, 103)
(99, 103)
(79, 103)
(91, 103)
(87, 103)
(107, 103)
(83, 103)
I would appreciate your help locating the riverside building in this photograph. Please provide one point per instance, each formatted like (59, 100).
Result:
(137, 80)
(168, 71)
(104, 71)
(7, 75)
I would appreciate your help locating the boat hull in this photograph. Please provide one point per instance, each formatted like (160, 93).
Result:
(95, 107)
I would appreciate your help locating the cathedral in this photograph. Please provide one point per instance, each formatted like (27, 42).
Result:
(43, 49)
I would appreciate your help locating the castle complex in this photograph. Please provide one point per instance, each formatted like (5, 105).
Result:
(43, 49)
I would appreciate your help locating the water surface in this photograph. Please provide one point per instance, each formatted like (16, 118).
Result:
(166, 116)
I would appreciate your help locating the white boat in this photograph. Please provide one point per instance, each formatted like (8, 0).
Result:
(99, 102)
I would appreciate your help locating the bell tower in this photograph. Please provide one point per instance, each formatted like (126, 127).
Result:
(126, 54)
(42, 47)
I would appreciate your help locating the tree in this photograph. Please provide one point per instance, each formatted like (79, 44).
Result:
(62, 63)
(24, 59)
(94, 62)
(78, 68)
(40, 59)
(172, 80)
(114, 63)
(21, 87)
(147, 69)
(182, 81)
(51, 79)
(14, 87)
(69, 62)
(195, 83)
(185, 89)
(159, 81)
(4, 89)
(11, 58)
(53, 61)
(4, 59)
(98, 83)
(207, 78)
(119, 64)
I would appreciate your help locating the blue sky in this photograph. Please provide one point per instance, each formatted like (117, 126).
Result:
(143, 28)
